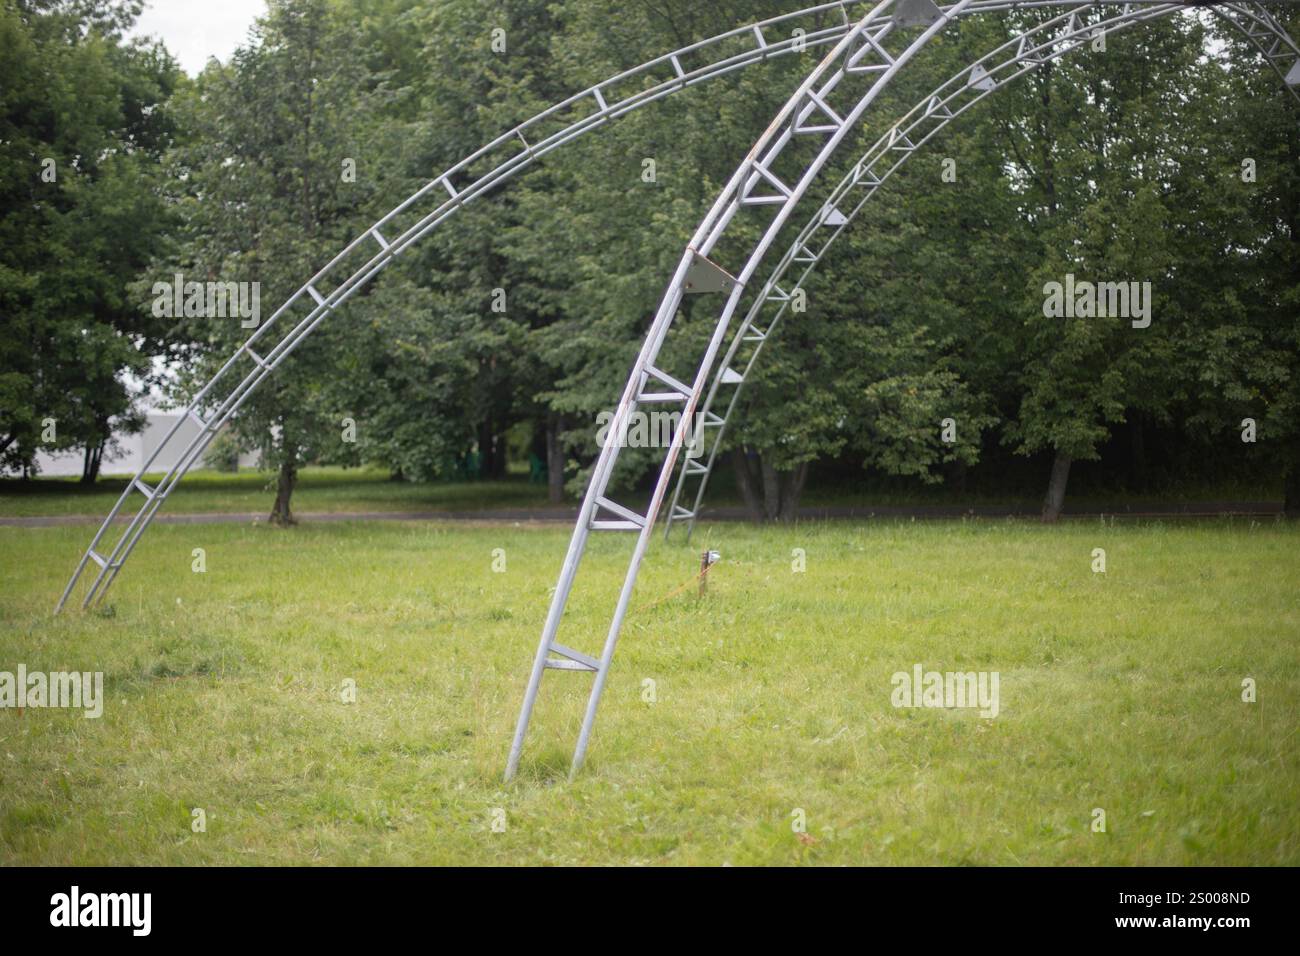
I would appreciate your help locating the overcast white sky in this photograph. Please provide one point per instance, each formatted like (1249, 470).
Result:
(194, 30)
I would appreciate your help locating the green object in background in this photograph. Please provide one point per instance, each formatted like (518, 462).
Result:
(536, 470)
(473, 465)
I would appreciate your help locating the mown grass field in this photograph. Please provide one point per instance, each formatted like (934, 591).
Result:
(332, 489)
(320, 489)
(1119, 691)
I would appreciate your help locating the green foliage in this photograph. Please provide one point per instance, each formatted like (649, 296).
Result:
(263, 185)
(527, 308)
(223, 454)
(82, 124)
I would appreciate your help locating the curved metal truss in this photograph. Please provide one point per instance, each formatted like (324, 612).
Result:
(1023, 54)
(429, 207)
(873, 49)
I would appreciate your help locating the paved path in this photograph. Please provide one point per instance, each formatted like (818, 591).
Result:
(1206, 509)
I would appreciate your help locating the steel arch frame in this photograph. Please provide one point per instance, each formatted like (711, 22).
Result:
(939, 105)
(861, 50)
(510, 153)
(696, 273)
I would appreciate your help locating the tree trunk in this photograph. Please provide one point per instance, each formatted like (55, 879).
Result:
(1291, 492)
(1055, 499)
(771, 491)
(1138, 470)
(554, 458)
(288, 477)
(792, 483)
(90, 462)
(491, 450)
(956, 474)
(500, 452)
(747, 482)
(486, 451)
(770, 495)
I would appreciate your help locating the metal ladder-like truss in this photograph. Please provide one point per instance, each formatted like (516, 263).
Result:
(867, 54)
(1047, 41)
(218, 401)
(369, 253)
(827, 105)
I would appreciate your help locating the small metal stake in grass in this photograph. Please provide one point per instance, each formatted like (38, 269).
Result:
(707, 560)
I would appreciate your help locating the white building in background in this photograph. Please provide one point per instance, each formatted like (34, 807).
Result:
(134, 450)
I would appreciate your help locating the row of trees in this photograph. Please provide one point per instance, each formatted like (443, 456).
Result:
(1170, 156)
(83, 128)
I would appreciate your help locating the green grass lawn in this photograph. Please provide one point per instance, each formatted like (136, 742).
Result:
(1120, 691)
(326, 489)
(339, 490)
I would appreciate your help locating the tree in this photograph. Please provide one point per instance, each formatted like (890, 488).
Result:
(82, 127)
(594, 266)
(264, 188)
(1247, 365)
